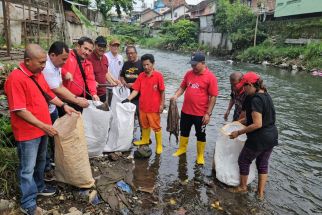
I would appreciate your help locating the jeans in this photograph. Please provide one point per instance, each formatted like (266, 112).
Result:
(32, 157)
(51, 143)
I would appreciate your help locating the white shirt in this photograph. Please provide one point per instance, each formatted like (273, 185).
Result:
(53, 77)
(115, 64)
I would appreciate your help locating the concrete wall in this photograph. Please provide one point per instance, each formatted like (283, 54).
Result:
(215, 40)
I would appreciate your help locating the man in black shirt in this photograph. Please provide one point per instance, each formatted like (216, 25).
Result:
(130, 72)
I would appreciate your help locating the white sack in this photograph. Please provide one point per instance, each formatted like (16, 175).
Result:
(121, 132)
(119, 94)
(96, 124)
(226, 155)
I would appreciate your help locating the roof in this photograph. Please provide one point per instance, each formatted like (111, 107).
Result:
(169, 9)
(201, 6)
(149, 10)
(175, 3)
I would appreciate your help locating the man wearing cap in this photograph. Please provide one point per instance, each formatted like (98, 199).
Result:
(201, 90)
(82, 83)
(100, 67)
(115, 64)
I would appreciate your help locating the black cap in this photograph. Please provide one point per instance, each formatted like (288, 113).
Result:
(100, 40)
(197, 58)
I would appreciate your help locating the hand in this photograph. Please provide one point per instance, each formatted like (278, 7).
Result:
(233, 135)
(226, 115)
(161, 108)
(173, 98)
(205, 119)
(82, 102)
(118, 82)
(129, 85)
(125, 101)
(95, 98)
(68, 76)
(49, 129)
(69, 110)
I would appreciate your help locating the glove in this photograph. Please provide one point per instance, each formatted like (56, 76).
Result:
(125, 100)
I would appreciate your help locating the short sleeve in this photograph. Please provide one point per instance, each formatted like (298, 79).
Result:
(257, 104)
(183, 84)
(52, 78)
(213, 86)
(161, 83)
(15, 94)
(123, 70)
(137, 84)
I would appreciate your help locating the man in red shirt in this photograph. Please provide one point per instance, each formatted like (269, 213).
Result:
(201, 89)
(150, 85)
(28, 93)
(100, 67)
(82, 84)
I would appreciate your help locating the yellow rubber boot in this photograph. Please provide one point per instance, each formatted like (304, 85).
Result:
(145, 137)
(158, 140)
(183, 144)
(200, 152)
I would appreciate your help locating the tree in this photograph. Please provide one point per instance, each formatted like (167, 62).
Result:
(105, 6)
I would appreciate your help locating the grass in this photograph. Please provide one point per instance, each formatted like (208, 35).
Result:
(8, 171)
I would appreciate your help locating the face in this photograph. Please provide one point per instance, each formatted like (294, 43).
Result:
(199, 67)
(249, 89)
(59, 60)
(131, 54)
(85, 50)
(233, 84)
(148, 66)
(114, 48)
(100, 49)
(37, 63)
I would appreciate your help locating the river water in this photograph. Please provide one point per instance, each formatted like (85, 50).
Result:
(295, 175)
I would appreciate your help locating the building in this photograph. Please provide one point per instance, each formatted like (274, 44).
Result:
(306, 8)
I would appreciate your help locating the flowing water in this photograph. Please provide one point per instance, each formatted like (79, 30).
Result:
(295, 175)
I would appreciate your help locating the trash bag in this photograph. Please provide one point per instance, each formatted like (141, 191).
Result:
(143, 152)
(119, 94)
(71, 156)
(121, 132)
(226, 156)
(96, 124)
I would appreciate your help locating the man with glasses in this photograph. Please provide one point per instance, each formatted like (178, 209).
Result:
(100, 67)
(115, 61)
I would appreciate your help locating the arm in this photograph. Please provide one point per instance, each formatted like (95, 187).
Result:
(133, 95)
(110, 79)
(257, 123)
(162, 101)
(31, 119)
(178, 93)
(69, 110)
(211, 105)
(230, 105)
(63, 93)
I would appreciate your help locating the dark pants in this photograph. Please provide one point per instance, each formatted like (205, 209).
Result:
(102, 98)
(247, 156)
(186, 123)
(51, 144)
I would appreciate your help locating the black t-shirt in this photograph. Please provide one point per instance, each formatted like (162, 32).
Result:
(266, 136)
(130, 71)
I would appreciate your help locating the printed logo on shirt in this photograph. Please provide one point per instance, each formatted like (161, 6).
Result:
(155, 87)
(193, 85)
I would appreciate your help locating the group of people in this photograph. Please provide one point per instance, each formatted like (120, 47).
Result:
(48, 85)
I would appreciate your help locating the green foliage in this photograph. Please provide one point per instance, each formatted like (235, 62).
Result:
(82, 18)
(8, 171)
(2, 41)
(130, 30)
(105, 6)
(238, 21)
(6, 135)
(84, 2)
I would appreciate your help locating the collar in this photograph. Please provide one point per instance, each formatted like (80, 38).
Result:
(51, 63)
(145, 75)
(112, 56)
(25, 70)
(202, 73)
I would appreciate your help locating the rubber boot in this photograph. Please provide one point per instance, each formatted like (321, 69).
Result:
(183, 144)
(158, 141)
(145, 137)
(200, 152)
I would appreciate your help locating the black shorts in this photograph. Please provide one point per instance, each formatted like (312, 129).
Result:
(186, 122)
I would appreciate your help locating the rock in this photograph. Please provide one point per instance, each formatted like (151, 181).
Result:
(301, 57)
(284, 65)
(4, 204)
(294, 67)
(229, 61)
(62, 198)
(265, 63)
(74, 211)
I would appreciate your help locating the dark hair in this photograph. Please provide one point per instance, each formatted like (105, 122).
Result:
(130, 47)
(149, 57)
(58, 48)
(259, 85)
(82, 40)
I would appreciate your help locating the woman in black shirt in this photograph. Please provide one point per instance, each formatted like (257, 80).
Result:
(260, 129)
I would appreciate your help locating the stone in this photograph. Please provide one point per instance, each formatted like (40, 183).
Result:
(4, 204)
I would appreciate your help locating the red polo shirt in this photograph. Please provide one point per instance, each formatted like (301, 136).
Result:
(100, 67)
(23, 94)
(150, 88)
(199, 87)
(71, 66)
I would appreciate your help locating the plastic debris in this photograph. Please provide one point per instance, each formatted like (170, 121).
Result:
(124, 186)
